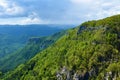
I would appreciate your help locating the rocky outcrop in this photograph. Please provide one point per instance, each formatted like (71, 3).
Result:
(66, 74)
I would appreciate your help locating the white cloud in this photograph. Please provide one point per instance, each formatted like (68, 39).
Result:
(107, 4)
(3, 3)
(9, 8)
(82, 10)
(32, 18)
(81, 1)
(104, 9)
(14, 10)
(31, 21)
(77, 11)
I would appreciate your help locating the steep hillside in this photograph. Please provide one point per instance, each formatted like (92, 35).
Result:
(90, 51)
(34, 45)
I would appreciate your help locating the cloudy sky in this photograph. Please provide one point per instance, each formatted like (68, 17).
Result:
(55, 11)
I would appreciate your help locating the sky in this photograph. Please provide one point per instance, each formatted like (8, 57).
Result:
(56, 11)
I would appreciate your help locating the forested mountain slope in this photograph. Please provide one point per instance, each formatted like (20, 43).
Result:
(90, 51)
(13, 37)
(33, 46)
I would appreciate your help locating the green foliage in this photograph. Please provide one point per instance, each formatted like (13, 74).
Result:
(0, 73)
(34, 45)
(114, 67)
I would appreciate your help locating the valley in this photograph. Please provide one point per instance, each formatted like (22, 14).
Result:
(20, 43)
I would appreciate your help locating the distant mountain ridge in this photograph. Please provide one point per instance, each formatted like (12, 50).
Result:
(13, 37)
(59, 26)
